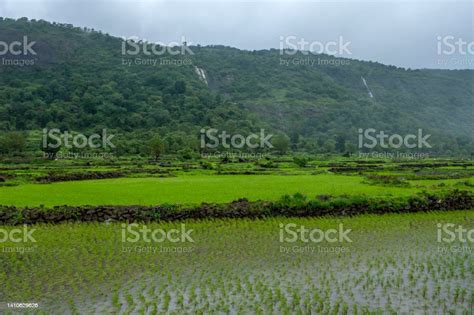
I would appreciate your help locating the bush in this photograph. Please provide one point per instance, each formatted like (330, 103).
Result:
(301, 161)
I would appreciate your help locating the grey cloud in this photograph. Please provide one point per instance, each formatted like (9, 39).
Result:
(399, 33)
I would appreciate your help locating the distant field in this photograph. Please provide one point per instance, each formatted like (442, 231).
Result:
(190, 189)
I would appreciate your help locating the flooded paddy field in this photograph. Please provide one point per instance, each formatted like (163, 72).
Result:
(419, 263)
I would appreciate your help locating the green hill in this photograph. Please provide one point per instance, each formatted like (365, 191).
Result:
(80, 81)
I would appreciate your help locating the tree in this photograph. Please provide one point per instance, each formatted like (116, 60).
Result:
(340, 143)
(180, 87)
(329, 146)
(156, 147)
(50, 150)
(301, 161)
(281, 143)
(12, 142)
(350, 148)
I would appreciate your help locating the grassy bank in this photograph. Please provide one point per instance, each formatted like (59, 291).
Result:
(297, 205)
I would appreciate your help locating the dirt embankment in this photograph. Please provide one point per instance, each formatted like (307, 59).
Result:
(290, 206)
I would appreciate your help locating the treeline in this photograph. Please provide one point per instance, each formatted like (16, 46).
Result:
(155, 143)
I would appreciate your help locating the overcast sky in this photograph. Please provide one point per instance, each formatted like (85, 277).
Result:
(401, 33)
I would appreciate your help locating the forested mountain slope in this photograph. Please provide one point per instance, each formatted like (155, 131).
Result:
(80, 80)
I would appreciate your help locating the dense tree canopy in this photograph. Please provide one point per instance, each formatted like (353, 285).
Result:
(80, 81)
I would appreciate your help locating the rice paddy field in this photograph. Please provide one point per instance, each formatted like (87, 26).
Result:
(63, 183)
(410, 263)
(393, 264)
(189, 189)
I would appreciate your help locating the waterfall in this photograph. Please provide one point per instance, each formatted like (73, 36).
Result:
(368, 90)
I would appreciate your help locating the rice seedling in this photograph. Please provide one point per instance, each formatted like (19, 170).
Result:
(392, 265)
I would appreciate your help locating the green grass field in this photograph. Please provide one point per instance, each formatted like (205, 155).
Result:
(143, 183)
(192, 189)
